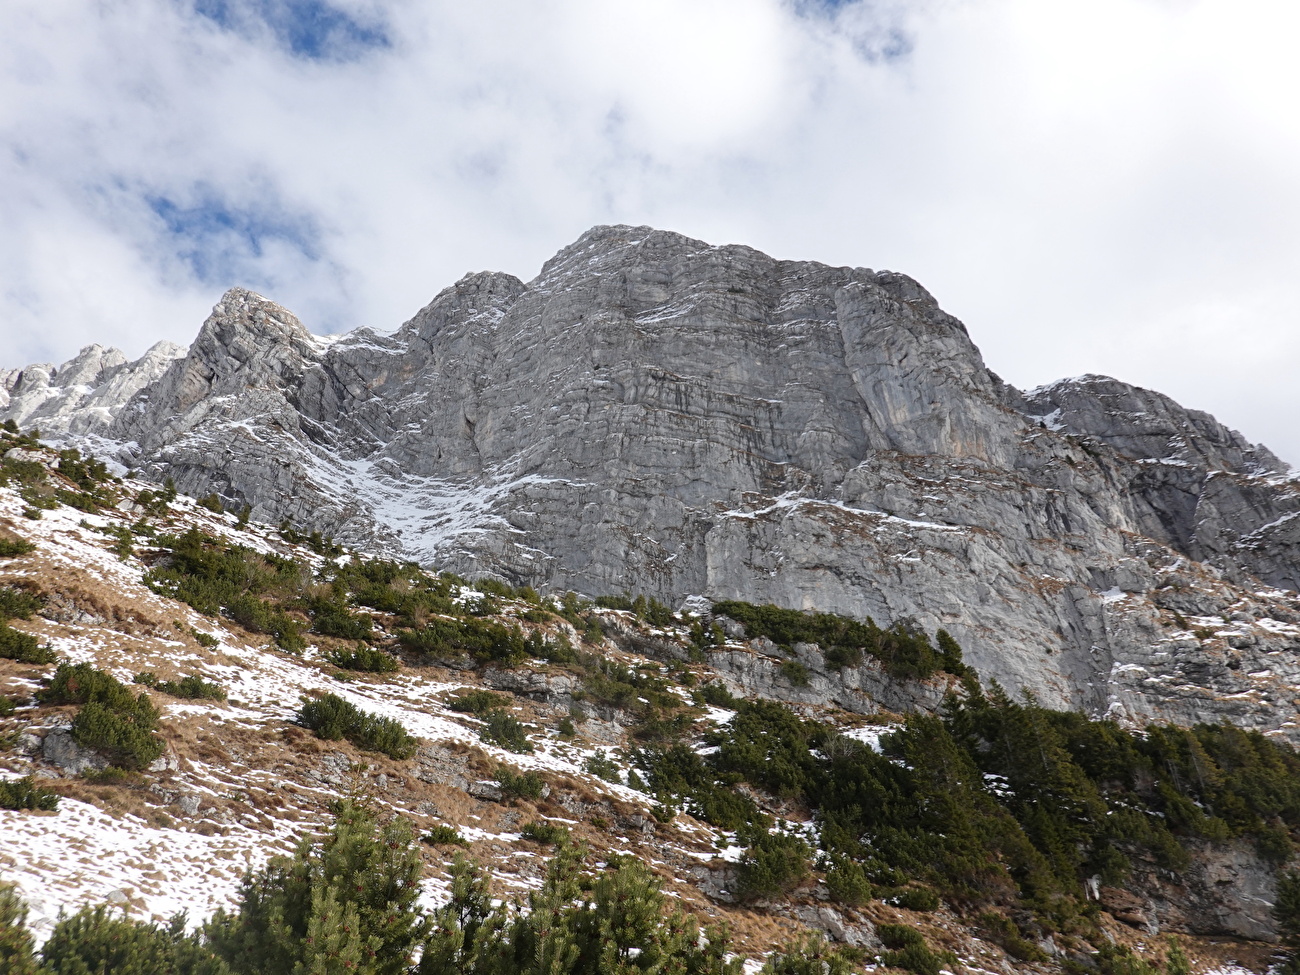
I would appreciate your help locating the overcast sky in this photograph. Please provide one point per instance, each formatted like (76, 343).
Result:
(1090, 185)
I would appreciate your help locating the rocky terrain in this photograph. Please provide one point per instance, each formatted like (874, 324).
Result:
(238, 776)
(655, 414)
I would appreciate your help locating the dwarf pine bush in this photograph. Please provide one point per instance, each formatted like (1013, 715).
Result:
(332, 718)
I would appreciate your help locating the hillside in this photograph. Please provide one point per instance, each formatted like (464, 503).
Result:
(632, 727)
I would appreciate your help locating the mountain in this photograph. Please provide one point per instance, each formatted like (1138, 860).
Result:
(748, 571)
(657, 415)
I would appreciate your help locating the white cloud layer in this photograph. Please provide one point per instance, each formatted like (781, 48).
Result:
(1091, 185)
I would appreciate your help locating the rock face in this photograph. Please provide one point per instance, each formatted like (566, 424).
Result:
(81, 396)
(658, 415)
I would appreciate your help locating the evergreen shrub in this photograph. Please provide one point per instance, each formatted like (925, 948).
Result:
(332, 718)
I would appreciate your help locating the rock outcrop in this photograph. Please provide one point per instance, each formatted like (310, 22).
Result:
(658, 415)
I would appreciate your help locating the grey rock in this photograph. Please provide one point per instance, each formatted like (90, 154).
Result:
(168, 761)
(553, 688)
(487, 791)
(81, 397)
(657, 415)
(859, 933)
(1227, 890)
(441, 766)
(61, 749)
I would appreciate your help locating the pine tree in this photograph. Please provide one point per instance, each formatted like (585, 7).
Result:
(97, 940)
(360, 875)
(16, 957)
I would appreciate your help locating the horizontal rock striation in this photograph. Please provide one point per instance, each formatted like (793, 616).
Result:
(654, 414)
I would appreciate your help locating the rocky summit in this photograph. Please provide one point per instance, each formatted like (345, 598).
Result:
(656, 415)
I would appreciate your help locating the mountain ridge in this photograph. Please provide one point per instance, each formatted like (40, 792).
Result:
(654, 414)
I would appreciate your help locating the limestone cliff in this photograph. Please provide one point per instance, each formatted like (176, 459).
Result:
(658, 415)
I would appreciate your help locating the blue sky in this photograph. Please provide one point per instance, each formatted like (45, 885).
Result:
(1091, 185)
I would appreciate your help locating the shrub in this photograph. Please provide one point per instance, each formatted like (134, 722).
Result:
(12, 547)
(917, 899)
(23, 647)
(364, 659)
(477, 701)
(122, 735)
(7, 706)
(847, 881)
(332, 718)
(333, 619)
(262, 616)
(444, 835)
(95, 939)
(809, 955)
(1001, 930)
(904, 650)
(24, 793)
(774, 865)
(212, 502)
(505, 731)
(213, 577)
(347, 902)
(603, 767)
(483, 640)
(193, 687)
(112, 720)
(795, 672)
(550, 834)
(206, 640)
(519, 785)
(16, 944)
(1286, 911)
(576, 924)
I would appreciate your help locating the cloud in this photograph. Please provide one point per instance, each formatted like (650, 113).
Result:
(1102, 186)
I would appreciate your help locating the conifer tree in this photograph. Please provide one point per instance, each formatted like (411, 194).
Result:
(360, 876)
(16, 956)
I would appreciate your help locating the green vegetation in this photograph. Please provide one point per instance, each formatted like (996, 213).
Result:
(16, 603)
(603, 767)
(443, 835)
(363, 659)
(549, 834)
(12, 547)
(903, 650)
(112, 721)
(505, 731)
(810, 955)
(17, 948)
(908, 950)
(477, 701)
(97, 939)
(213, 577)
(346, 903)
(576, 924)
(23, 647)
(1286, 911)
(773, 865)
(24, 793)
(519, 785)
(648, 609)
(993, 803)
(333, 719)
(193, 687)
